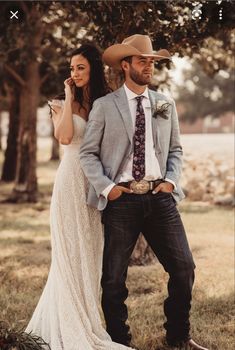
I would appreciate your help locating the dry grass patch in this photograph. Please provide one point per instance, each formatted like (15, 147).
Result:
(25, 261)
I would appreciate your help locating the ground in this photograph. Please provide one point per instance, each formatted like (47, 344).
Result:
(25, 260)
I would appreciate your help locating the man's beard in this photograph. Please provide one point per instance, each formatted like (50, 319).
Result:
(139, 78)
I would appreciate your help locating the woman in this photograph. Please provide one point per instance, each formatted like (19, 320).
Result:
(67, 315)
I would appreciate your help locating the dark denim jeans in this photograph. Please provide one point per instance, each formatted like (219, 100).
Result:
(157, 217)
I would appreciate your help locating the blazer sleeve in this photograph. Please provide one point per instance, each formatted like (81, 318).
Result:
(91, 147)
(174, 160)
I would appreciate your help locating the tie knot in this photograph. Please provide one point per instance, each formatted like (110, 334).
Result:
(139, 99)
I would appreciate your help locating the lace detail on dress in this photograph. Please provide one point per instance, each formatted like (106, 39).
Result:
(67, 314)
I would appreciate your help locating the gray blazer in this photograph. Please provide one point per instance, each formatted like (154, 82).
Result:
(108, 142)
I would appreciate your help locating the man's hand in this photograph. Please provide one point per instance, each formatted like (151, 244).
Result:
(164, 187)
(117, 191)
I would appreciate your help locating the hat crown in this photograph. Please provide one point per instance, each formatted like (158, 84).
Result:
(140, 42)
(134, 45)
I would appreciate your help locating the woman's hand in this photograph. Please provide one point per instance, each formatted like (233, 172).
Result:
(69, 89)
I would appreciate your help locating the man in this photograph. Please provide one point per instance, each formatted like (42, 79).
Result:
(131, 155)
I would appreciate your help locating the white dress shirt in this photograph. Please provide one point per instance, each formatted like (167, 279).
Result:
(152, 168)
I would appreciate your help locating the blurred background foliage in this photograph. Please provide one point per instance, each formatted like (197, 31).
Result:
(35, 50)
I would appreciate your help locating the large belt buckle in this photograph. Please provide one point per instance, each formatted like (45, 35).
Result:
(140, 187)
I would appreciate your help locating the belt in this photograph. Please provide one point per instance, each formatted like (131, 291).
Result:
(142, 186)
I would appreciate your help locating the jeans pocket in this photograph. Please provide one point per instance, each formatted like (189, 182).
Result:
(161, 193)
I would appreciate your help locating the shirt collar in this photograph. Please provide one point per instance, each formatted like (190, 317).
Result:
(131, 95)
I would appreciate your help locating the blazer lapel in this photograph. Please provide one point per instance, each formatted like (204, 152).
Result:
(123, 107)
(155, 126)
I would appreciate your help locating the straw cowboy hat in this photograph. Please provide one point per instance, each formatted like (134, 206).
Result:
(134, 45)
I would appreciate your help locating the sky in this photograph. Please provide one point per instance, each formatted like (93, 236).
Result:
(180, 65)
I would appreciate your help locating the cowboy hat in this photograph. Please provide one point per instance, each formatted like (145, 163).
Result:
(134, 45)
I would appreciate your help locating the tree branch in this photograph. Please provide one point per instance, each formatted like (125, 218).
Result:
(15, 75)
(24, 8)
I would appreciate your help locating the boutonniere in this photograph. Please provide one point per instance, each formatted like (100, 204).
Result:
(161, 109)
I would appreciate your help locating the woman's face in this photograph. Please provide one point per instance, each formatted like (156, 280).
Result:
(80, 71)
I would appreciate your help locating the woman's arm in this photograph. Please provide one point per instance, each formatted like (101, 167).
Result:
(62, 117)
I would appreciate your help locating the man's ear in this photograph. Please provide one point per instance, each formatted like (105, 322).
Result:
(124, 65)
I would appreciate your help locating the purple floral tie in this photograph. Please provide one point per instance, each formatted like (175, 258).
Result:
(138, 169)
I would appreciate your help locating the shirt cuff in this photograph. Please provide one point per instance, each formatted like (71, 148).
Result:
(106, 191)
(172, 182)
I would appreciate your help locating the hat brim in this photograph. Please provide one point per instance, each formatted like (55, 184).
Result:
(113, 55)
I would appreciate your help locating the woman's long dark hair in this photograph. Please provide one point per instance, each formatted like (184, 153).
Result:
(98, 86)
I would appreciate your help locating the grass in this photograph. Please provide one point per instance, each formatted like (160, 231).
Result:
(25, 260)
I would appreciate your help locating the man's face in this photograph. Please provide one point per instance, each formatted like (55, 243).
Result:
(141, 69)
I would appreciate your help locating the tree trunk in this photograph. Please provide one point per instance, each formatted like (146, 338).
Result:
(115, 79)
(55, 149)
(0, 131)
(143, 254)
(25, 188)
(9, 165)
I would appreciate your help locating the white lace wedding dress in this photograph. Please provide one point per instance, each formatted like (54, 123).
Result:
(67, 314)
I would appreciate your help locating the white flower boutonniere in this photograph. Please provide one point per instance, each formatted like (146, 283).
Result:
(161, 109)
